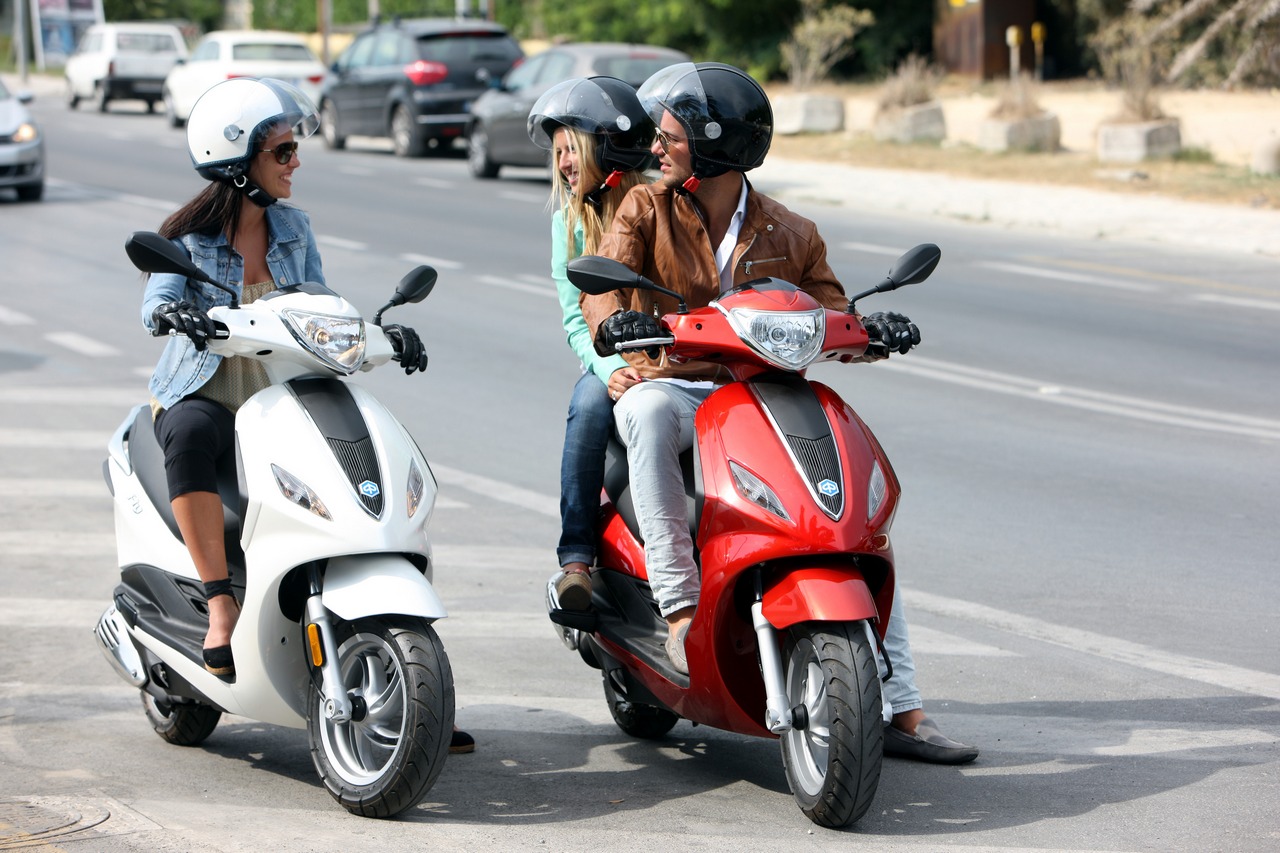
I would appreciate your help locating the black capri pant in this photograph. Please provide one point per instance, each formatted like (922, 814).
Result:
(194, 433)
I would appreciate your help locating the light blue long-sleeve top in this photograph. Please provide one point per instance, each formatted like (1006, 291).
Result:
(575, 327)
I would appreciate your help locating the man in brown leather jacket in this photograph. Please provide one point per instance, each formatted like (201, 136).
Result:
(700, 231)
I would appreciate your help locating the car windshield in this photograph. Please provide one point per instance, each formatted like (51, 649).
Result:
(282, 52)
(634, 69)
(468, 47)
(146, 42)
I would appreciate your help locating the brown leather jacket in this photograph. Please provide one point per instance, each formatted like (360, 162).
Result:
(658, 233)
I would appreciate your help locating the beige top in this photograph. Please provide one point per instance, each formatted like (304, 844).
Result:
(237, 378)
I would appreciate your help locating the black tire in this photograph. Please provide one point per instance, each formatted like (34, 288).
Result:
(181, 723)
(151, 107)
(833, 763)
(73, 100)
(329, 126)
(478, 162)
(30, 192)
(642, 721)
(100, 96)
(170, 113)
(406, 136)
(386, 761)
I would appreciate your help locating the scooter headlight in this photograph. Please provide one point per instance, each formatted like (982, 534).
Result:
(788, 339)
(876, 490)
(337, 341)
(755, 490)
(299, 492)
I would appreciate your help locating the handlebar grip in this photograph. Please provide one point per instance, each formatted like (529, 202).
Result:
(644, 343)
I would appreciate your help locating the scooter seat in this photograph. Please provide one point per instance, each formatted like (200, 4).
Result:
(147, 459)
(617, 485)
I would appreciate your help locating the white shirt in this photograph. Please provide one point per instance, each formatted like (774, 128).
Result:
(724, 252)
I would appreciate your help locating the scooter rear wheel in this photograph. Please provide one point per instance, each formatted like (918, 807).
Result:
(180, 723)
(642, 721)
(833, 762)
(385, 759)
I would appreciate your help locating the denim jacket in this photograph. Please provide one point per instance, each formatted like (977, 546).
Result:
(292, 258)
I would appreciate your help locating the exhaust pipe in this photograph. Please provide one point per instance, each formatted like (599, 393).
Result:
(118, 648)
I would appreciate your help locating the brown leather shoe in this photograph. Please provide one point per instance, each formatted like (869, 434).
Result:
(573, 590)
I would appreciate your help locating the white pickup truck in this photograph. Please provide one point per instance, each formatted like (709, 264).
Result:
(123, 61)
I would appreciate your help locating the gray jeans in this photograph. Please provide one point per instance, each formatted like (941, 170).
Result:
(655, 421)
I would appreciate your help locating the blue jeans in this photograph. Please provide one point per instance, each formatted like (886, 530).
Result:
(586, 435)
(900, 691)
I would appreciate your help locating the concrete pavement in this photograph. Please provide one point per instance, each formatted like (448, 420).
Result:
(1090, 214)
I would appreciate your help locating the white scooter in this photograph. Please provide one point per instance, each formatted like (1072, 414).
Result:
(326, 509)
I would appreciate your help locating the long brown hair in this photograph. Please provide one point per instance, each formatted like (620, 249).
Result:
(595, 221)
(214, 210)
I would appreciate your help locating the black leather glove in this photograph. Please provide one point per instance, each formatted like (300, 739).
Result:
(890, 332)
(627, 326)
(410, 352)
(185, 319)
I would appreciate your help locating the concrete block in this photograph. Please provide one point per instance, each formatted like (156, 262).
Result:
(1134, 142)
(805, 113)
(1042, 133)
(920, 123)
(1266, 157)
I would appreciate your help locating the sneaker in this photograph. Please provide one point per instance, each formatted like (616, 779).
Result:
(675, 650)
(573, 591)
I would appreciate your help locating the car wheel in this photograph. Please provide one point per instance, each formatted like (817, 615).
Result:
(406, 136)
(31, 192)
(170, 111)
(100, 96)
(151, 107)
(329, 126)
(73, 100)
(478, 154)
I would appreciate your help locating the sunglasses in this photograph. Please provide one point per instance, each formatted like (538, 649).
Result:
(666, 140)
(283, 152)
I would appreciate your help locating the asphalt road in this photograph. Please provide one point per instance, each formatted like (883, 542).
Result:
(1087, 441)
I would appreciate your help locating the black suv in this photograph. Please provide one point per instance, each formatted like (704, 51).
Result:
(413, 81)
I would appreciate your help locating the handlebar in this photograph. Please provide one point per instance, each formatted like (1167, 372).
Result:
(644, 343)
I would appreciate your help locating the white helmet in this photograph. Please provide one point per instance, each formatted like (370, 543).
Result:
(231, 119)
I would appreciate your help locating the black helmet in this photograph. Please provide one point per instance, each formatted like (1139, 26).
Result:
(605, 107)
(724, 112)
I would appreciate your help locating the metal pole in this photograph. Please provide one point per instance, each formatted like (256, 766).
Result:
(20, 36)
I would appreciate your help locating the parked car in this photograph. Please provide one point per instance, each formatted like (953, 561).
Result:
(21, 146)
(122, 61)
(496, 134)
(240, 53)
(413, 81)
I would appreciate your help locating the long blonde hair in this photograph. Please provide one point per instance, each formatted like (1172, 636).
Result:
(595, 221)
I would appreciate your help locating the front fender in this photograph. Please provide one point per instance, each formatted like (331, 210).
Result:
(375, 584)
(818, 595)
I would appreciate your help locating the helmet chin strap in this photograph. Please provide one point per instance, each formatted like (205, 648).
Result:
(255, 193)
(595, 198)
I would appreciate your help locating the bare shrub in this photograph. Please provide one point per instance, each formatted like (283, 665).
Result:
(1130, 61)
(913, 82)
(1017, 100)
(821, 38)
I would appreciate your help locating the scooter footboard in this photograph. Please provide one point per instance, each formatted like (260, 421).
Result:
(817, 595)
(375, 584)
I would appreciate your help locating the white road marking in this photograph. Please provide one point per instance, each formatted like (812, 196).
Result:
(499, 491)
(532, 198)
(1079, 278)
(152, 203)
(542, 289)
(435, 183)
(74, 396)
(873, 249)
(82, 344)
(340, 243)
(1083, 398)
(438, 263)
(1239, 302)
(43, 487)
(60, 439)
(1215, 672)
(14, 318)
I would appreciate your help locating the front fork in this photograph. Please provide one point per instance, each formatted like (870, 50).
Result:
(778, 717)
(324, 651)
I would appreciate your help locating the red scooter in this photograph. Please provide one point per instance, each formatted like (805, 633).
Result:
(790, 501)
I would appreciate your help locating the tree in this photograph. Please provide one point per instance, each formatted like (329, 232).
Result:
(823, 37)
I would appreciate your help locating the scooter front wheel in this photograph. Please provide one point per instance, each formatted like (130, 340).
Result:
(832, 758)
(180, 722)
(385, 759)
